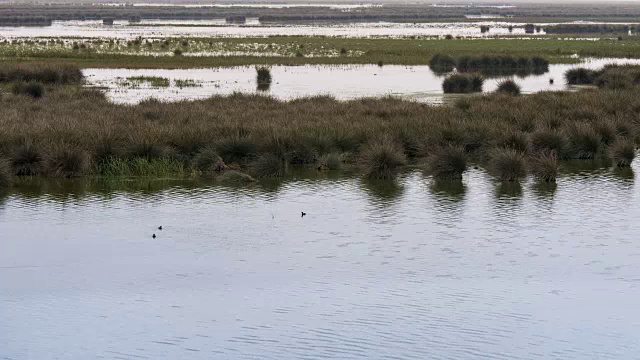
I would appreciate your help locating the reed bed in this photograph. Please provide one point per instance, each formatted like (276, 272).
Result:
(89, 135)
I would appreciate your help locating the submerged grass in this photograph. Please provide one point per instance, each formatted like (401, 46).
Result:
(154, 81)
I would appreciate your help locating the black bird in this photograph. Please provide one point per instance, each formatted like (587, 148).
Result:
(153, 236)
(160, 227)
(551, 81)
(303, 214)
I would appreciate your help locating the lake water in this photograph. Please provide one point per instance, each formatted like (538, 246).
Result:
(218, 28)
(409, 269)
(289, 82)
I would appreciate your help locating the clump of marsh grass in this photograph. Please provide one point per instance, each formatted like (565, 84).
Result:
(208, 161)
(509, 87)
(236, 150)
(440, 63)
(515, 140)
(235, 178)
(507, 164)
(26, 160)
(548, 140)
(447, 162)
(381, 160)
(263, 75)
(622, 153)
(462, 84)
(580, 76)
(140, 167)
(31, 88)
(5, 173)
(65, 161)
(606, 131)
(331, 161)
(146, 150)
(584, 142)
(268, 166)
(544, 166)
(411, 142)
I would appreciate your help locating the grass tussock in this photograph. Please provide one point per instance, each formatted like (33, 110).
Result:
(447, 162)
(509, 87)
(33, 89)
(65, 161)
(544, 166)
(548, 140)
(583, 141)
(508, 164)
(580, 76)
(237, 150)
(463, 84)
(622, 153)
(263, 75)
(382, 160)
(27, 160)
(268, 166)
(208, 161)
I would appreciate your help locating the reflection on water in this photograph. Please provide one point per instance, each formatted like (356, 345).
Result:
(449, 190)
(289, 82)
(405, 269)
(509, 190)
(544, 190)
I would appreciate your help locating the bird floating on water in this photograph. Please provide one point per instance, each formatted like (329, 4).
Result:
(160, 227)
(303, 214)
(153, 236)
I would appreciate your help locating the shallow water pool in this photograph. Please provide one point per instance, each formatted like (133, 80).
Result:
(343, 82)
(411, 269)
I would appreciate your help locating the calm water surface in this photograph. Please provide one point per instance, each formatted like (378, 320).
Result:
(343, 82)
(406, 270)
(218, 27)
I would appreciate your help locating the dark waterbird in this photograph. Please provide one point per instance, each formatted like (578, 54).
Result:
(303, 214)
(160, 227)
(153, 236)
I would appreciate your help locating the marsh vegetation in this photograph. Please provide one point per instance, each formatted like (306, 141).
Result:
(262, 135)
